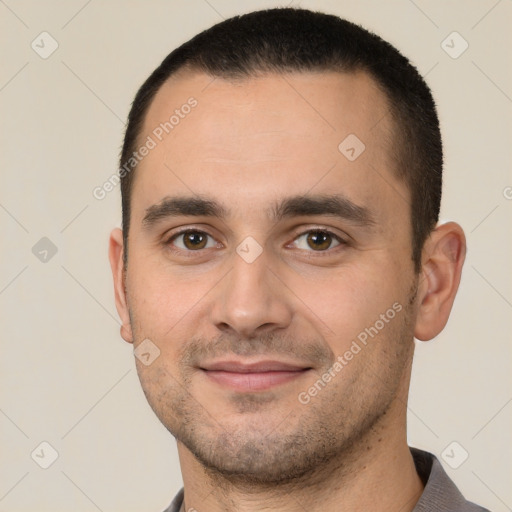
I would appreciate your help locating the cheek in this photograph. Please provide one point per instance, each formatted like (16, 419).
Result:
(157, 299)
(343, 302)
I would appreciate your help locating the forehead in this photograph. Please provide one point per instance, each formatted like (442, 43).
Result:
(322, 105)
(264, 136)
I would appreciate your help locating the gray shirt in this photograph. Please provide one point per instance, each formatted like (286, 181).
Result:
(440, 493)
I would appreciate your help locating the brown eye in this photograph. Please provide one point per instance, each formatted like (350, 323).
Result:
(318, 240)
(191, 240)
(194, 240)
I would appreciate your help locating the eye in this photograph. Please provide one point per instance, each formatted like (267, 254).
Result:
(319, 240)
(192, 240)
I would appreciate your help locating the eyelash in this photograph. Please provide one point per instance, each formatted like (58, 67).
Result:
(190, 253)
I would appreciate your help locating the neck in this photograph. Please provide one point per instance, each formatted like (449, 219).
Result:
(377, 473)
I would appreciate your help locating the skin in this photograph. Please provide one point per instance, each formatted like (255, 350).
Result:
(246, 145)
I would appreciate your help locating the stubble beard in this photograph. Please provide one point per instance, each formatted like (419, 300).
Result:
(302, 444)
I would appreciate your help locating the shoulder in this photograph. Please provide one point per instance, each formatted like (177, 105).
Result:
(177, 502)
(440, 493)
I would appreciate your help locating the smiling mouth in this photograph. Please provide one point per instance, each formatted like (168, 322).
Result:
(251, 377)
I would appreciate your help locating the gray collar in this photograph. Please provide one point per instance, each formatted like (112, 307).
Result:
(440, 493)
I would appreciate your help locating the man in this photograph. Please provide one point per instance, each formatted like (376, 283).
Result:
(281, 183)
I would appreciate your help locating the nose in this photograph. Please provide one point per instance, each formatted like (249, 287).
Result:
(251, 300)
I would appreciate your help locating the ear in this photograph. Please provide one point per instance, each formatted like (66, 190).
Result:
(115, 254)
(442, 259)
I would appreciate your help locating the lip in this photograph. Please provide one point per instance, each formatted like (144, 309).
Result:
(252, 376)
(237, 366)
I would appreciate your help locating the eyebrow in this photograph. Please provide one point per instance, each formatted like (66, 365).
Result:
(332, 205)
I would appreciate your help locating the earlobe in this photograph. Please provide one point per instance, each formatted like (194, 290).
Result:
(443, 257)
(115, 254)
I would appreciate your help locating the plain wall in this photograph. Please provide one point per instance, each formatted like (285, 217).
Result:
(66, 376)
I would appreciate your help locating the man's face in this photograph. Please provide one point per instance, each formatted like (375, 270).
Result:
(309, 265)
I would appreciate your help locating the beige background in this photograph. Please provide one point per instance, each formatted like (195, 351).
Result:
(66, 376)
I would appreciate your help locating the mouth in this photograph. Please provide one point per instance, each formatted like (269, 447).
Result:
(252, 376)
